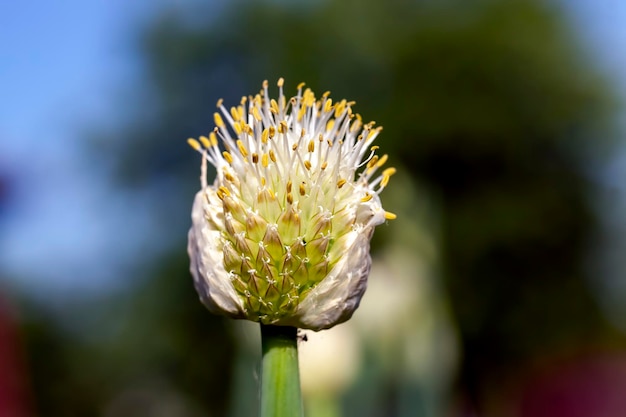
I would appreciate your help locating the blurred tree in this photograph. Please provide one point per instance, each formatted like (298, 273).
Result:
(488, 103)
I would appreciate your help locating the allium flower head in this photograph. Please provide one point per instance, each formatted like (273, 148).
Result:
(282, 236)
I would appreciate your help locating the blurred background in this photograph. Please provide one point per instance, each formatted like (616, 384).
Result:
(498, 291)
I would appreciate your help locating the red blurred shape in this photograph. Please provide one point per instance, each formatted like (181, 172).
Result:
(587, 387)
(13, 393)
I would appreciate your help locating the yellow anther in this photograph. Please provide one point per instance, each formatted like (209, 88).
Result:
(390, 216)
(309, 98)
(205, 141)
(237, 127)
(228, 157)
(264, 160)
(340, 107)
(326, 94)
(307, 165)
(366, 198)
(219, 102)
(301, 85)
(218, 120)
(263, 181)
(272, 155)
(194, 144)
(311, 146)
(372, 133)
(255, 158)
(289, 198)
(374, 148)
(283, 127)
(265, 84)
(384, 181)
(302, 189)
(243, 100)
(330, 124)
(301, 112)
(341, 182)
(389, 172)
(382, 160)
(272, 131)
(280, 82)
(372, 162)
(229, 177)
(264, 135)
(255, 114)
(273, 106)
(328, 105)
(289, 184)
(294, 146)
(235, 113)
(224, 190)
(242, 149)
(324, 165)
(213, 139)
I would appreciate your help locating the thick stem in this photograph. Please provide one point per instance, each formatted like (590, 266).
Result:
(280, 376)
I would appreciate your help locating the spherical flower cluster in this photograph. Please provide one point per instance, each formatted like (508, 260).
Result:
(282, 236)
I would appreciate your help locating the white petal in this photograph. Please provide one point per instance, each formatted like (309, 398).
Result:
(211, 280)
(334, 299)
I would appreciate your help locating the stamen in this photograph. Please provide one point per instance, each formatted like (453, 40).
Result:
(390, 216)
(194, 144)
(218, 120)
(205, 141)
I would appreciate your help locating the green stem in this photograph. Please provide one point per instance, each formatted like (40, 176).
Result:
(280, 376)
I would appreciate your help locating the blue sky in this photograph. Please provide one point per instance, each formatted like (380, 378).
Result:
(62, 66)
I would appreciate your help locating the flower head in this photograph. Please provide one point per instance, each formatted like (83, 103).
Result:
(282, 236)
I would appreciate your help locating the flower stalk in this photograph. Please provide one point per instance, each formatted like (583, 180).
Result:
(280, 376)
(282, 236)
